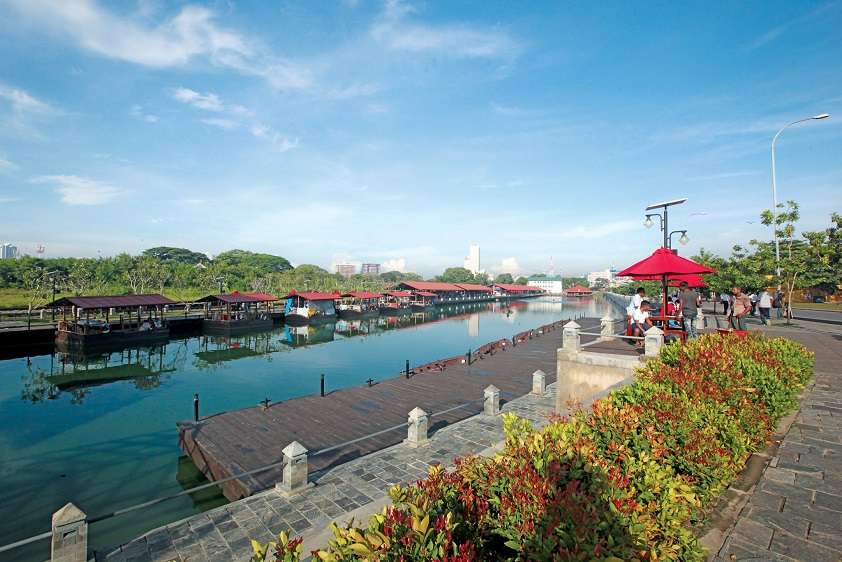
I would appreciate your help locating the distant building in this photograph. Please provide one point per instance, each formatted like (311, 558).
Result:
(8, 252)
(472, 262)
(372, 269)
(346, 269)
(610, 276)
(552, 284)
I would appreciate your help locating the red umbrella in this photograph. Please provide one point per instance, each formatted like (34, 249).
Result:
(664, 263)
(692, 279)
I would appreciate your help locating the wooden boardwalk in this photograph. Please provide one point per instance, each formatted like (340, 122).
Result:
(238, 441)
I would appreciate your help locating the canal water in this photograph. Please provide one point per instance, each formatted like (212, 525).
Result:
(100, 430)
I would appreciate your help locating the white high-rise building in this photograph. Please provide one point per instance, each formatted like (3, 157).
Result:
(472, 262)
(8, 251)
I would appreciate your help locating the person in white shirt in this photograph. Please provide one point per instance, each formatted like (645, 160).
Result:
(764, 305)
(641, 321)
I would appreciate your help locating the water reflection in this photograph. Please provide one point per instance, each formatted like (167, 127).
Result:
(75, 372)
(216, 350)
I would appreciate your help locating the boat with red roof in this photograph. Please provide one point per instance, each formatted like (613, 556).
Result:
(395, 303)
(358, 304)
(309, 306)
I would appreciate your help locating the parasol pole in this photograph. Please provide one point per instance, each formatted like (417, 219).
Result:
(664, 302)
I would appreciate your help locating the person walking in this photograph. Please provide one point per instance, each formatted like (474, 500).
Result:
(688, 308)
(778, 303)
(764, 304)
(725, 299)
(740, 308)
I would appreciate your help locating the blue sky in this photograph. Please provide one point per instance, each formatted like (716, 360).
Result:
(400, 132)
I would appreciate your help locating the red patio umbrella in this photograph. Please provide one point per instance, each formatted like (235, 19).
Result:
(663, 264)
(692, 279)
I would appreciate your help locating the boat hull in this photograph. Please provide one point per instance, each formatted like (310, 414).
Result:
(356, 314)
(394, 311)
(301, 320)
(69, 341)
(233, 327)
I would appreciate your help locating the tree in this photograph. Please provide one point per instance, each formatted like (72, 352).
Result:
(38, 287)
(262, 263)
(178, 255)
(505, 278)
(601, 284)
(456, 275)
(522, 280)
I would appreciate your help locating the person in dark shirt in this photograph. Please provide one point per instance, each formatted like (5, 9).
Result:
(688, 307)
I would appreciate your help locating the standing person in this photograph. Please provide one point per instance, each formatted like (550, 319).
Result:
(753, 298)
(638, 298)
(778, 303)
(725, 299)
(688, 307)
(740, 308)
(764, 304)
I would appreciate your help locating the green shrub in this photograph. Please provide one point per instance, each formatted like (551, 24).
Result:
(622, 481)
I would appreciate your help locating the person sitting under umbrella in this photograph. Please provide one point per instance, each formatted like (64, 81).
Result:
(641, 321)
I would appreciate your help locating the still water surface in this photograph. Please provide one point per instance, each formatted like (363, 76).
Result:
(100, 431)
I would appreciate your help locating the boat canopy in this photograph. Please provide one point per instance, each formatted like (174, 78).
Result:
(111, 301)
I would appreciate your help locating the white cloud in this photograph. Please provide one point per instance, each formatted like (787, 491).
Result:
(18, 110)
(279, 141)
(76, 190)
(208, 102)
(7, 165)
(508, 265)
(137, 112)
(221, 122)
(456, 40)
(397, 264)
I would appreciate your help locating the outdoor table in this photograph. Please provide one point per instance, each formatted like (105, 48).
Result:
(664, 325)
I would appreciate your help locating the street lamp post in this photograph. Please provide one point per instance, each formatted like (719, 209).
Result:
(775, 187)
(664, 219)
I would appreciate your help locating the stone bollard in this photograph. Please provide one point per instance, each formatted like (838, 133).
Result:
(571, 341)
(653, 340)
(606, 326)
(70, 535)
(539, 382)
(491, 401)
(416, 435)
(295, 469)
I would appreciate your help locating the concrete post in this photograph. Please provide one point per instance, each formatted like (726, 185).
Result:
(70, 535)
(295, 469)
(571, 341)
(417, 429)
(653, 341)
(606, 326)
(491, 402)
(539, 382)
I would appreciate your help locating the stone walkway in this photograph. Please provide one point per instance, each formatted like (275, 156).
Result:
(795, 509)
(358, 487)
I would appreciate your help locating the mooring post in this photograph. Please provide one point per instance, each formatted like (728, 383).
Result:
(468, 356)
(417, 423)
(491, 401)
(571, 340)
(70, 535)
(407, 368)
(653, 341)
(195, 407)
(295, 469)
(539, 382)
(323, 385)
(514, 341)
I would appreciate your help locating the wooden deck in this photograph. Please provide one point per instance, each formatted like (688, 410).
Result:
(238, 441)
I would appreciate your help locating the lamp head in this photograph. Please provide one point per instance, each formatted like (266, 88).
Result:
(821, 116)
(684, 239)
(648, 222)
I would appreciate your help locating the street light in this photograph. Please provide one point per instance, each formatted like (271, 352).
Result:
(775, 188)
(683, 240)
(664, 218)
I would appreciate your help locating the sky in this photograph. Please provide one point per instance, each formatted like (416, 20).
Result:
(400, 132)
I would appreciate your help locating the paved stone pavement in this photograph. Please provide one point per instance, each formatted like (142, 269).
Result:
(224, 534)
(795, 510)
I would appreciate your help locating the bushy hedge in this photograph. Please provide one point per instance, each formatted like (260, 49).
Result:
(623, 481)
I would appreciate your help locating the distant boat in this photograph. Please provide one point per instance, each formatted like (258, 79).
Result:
(237, 313)
(578, 291)
(422, 300)
(395, 303)
(309, 306)
(358, 304)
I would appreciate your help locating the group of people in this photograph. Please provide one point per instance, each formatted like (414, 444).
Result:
(737, 305)
(684, 306)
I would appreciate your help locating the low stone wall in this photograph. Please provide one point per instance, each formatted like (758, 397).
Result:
(582, 374)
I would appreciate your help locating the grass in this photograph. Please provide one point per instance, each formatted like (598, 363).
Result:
(818, 306)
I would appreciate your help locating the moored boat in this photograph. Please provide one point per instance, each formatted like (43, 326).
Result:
(309, 306)
(422, 300)
(237, 313)
(395, 303)
(358, 304)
